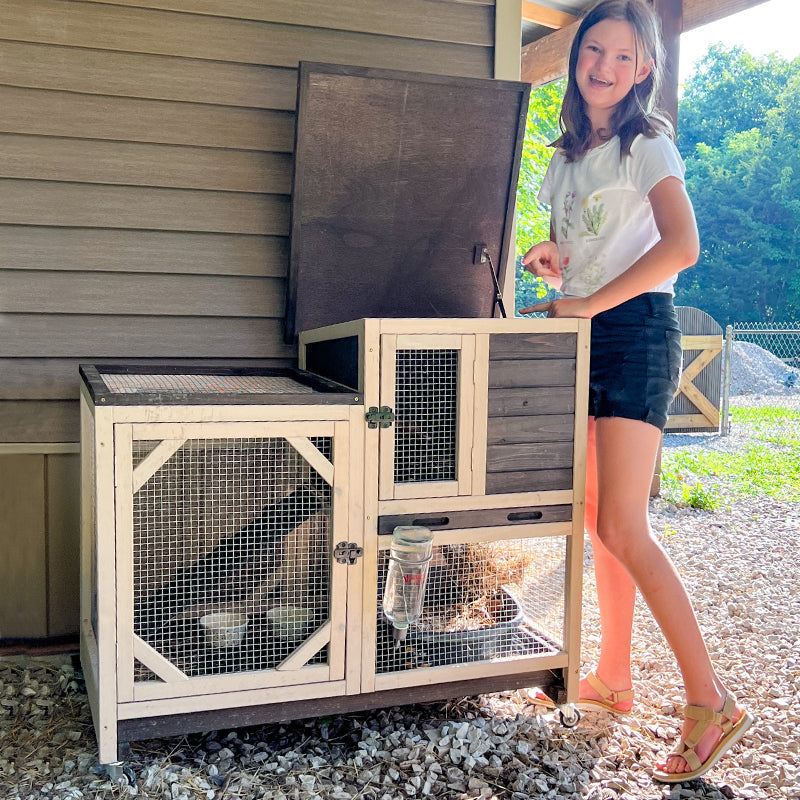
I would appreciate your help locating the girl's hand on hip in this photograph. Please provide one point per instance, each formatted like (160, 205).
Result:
(574, 307)
(544, 262)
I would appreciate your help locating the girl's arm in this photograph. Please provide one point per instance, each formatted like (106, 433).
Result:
(677, 249)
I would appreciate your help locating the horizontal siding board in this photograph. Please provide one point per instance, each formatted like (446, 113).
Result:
(57, 378)
(539, 372)
(76, 205)
(542, 428)
(541, 480)
(39, 421)
(74, 335)
(528, 456)
(44, 292)
(98, 250)
(418, 19)
(188, 80)
(524, 402)
(103, 27)
(504, 346)
(46, 113)
(120, 163)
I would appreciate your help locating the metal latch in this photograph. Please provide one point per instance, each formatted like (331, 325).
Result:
(383, 416)
(347, 553)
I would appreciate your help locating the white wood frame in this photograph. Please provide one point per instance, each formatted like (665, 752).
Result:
(108, 485)
(376, 338)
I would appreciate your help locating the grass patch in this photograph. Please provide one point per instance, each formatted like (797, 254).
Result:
(768, 466)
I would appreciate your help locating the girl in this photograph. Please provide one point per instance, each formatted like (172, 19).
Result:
(622, 226)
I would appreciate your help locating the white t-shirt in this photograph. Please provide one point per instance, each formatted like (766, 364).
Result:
(600, 213)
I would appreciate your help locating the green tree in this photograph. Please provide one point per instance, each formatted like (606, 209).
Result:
(739, 130)
(533, 217)
(730, 91)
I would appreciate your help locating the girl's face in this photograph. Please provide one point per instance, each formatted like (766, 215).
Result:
(608, 67)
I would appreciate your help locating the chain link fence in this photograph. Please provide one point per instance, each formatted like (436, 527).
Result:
(781, 339)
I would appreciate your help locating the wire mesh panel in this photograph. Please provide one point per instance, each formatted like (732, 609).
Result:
(231, 543)
(426, 427)
(128, 383)
(501, 599)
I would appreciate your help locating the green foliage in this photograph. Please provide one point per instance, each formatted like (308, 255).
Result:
(533, 217)
(770, 466)
(739, 131)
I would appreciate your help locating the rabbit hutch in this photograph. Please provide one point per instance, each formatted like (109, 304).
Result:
(400, 518)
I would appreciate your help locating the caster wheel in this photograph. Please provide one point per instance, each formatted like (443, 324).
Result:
(569, 716)
(121, 774)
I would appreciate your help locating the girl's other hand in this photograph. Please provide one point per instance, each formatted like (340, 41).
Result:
(575, 307)
(544, 262)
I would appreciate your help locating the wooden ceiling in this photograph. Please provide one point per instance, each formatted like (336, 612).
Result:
(549, 25)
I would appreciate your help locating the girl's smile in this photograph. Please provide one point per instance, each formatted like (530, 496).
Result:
(610, 63)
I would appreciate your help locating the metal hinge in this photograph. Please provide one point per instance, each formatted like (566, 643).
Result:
(383, 416)
(347, 553)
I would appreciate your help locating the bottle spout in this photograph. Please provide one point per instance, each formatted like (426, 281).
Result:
(399, 635)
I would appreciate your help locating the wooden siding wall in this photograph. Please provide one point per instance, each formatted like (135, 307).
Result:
(145, 177)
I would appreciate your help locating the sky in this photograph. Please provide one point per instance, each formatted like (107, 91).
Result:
(770, 27)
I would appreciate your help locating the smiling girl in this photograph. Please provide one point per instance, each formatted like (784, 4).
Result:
(622, 227)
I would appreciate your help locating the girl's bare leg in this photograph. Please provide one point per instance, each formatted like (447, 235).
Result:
(625, 458)
(616, 595)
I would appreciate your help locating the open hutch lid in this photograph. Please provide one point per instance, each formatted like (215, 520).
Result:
(398, 176)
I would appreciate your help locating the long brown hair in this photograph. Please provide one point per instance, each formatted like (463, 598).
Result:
(636, 112)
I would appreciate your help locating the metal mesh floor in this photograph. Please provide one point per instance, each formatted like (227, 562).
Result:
(236, 527)
(123, 383)
(482, 601)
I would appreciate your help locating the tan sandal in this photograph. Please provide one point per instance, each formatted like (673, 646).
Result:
(609, 699)
(704, 717)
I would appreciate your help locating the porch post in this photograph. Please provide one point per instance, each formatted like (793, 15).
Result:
(671, 14)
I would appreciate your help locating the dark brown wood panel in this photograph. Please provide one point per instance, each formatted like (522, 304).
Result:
(74, 335)
(47, 113)
(98, 250)
(23, 566)
(535, 401)
(417, 19)
(504, 346)
(480, 518)
(45, 292)
(63, 519)
(104, 27)
(76, 205)
(57, 378)
(539, 372)
(542, 480)
(39, 421)
(541, 428)
(188, 80)
(135, 164)
(528, 456)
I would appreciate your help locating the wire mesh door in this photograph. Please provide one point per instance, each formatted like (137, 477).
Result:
(490, 599)
(426, 381)
(230, 539)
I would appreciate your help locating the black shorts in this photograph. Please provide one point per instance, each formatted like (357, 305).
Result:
(635, 360)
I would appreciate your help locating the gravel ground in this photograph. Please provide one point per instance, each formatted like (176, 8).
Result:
(742, 569)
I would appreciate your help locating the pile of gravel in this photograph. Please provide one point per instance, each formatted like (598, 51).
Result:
(741, 567)
(756, 371)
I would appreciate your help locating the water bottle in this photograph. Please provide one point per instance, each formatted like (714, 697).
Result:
(409, 558)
